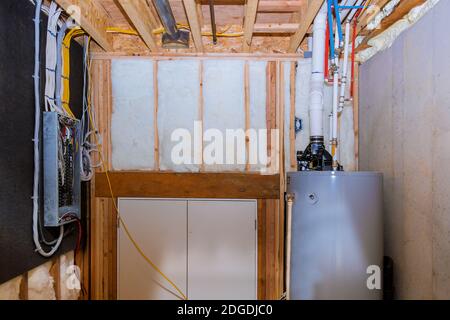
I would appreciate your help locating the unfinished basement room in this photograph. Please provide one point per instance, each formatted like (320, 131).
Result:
(224, 150)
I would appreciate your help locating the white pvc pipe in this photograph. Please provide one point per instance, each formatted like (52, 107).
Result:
(317, 75)
(345, 66)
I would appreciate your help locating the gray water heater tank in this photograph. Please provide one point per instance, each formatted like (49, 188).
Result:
(336, 235)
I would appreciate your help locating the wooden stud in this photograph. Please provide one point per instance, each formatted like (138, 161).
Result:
(270, 104)
(201, 19)
(249, 22)
(261, 249)
(247, 114)
(311, 13)
(293, 90)
(92, 17)
(142, 18)
(201, 112)
(192, 15)
(23, 289)
(280, 220)
(155, 113)
(55, 272)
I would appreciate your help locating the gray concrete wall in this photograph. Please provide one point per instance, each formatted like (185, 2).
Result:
(405, 133)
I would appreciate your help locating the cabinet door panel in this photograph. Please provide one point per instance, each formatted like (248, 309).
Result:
(160, 229)
(222, 249)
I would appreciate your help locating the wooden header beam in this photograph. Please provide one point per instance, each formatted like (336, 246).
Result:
(188, 185)
(311, 13)
(249, 23)
(192, 16)
(92, 18)
(142, 19)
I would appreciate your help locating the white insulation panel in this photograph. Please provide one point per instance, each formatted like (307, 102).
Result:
(178, 108)
(132, 127)
(224, 108)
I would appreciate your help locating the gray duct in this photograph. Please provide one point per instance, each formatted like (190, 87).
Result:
(173, 38)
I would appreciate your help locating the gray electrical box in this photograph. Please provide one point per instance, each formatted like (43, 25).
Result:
(62, 183)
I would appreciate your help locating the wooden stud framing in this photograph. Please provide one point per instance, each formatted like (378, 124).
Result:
(192, 15)
(271, 95)
(293, 76)
(92, 17)
(280, 221)
(311, 13)
(249, 22)
(55, 272)
(201, 111)
(142, 19)
(155, 113)
(23, 289)
(247, 113)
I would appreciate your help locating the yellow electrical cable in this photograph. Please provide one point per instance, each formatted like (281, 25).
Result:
(75, 32)
(122, 222)
(157, 31)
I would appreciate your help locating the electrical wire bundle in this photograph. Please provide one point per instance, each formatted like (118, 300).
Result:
(54, 88)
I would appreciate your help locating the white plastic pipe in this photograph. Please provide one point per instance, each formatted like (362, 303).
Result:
(317, 74)
(344, 76)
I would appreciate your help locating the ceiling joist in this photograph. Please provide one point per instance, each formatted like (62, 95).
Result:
(265, 5)
(249, 22)
(92, 18)
(143, 20)
(297, 38)
(194, 23)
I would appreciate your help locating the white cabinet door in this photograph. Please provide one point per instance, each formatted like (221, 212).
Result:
(160, 229)
(222, 250)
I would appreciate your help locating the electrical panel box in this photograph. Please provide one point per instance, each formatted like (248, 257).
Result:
(62, 182)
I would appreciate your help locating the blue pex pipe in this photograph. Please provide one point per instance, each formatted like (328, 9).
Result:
(330, 28)
(338, 21)
(351, 7)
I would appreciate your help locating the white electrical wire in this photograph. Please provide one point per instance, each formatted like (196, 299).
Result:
(87, 167)
(51, 59)
(37, 123)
